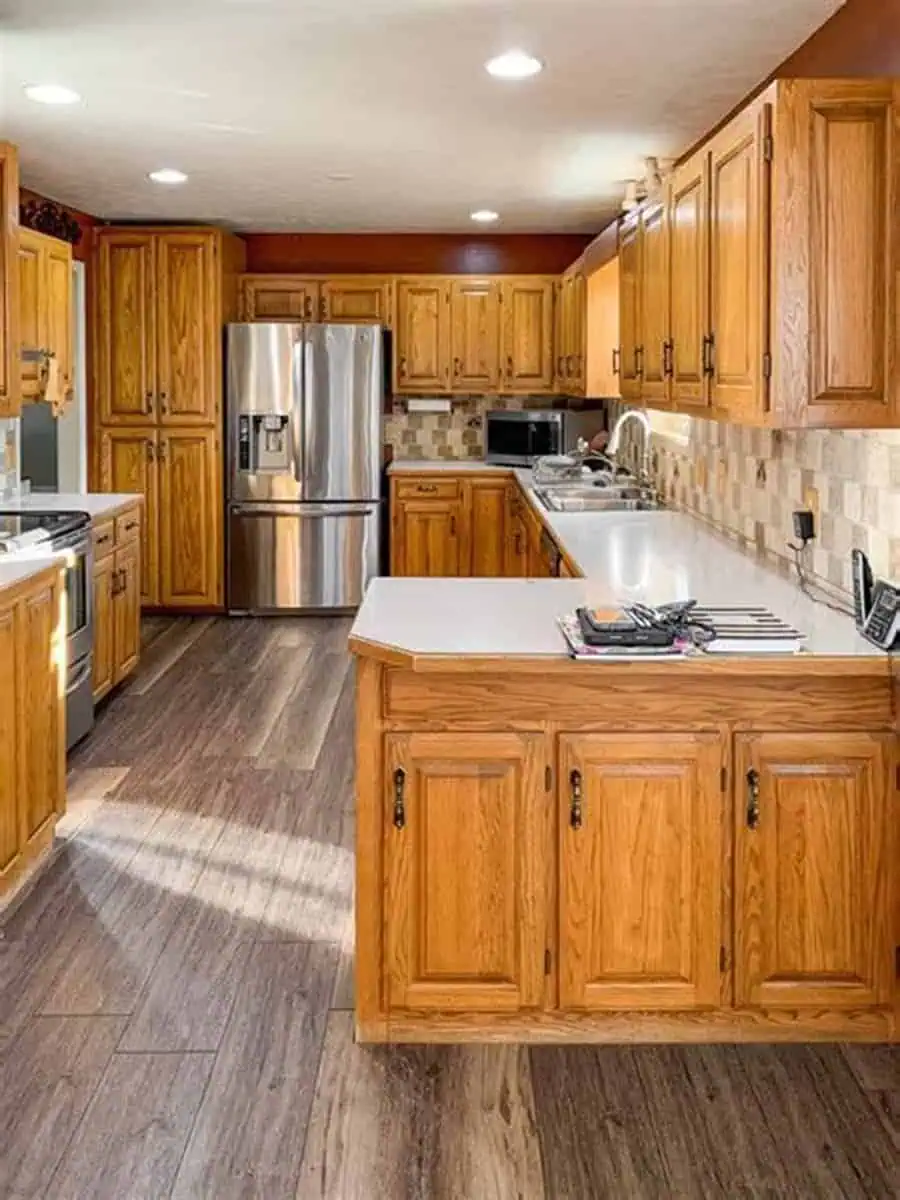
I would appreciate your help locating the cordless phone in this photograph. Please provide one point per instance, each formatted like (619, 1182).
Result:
(862, 587)
(876, 606)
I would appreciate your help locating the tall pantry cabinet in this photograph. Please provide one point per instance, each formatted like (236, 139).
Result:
(159, 300)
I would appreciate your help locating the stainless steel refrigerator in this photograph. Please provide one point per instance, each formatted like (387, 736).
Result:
(304, 433)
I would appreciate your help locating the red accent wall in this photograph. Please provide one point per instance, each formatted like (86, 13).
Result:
(400, 253)
(82, 251)
(862, 38)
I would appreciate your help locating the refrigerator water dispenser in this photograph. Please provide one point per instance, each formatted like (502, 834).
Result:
(264, 443)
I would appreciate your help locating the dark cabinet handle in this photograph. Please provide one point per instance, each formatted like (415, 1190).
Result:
(509, 367)
(131, 525)
(148, 402)
(709, 343)
(164, 401)
(427, 488)
(639, 361)
(559, 366)
(453, 526)
(101, 541)
(457, 368)
(401, 368)
(616, 357)
(308, 307)
(752, 799)
(150, 451)
(399, 799)
(576, 815)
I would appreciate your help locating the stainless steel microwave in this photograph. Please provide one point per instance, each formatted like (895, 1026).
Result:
(517, 438)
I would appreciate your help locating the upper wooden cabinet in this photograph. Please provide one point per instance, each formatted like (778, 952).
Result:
(814, 860)
(602, 354)
(10, 365)
(779, 284)
(45, 309)
(362, 300)
(279, 298)
(475, 335)
(570, 336)
(161, 298)
(422, 335)
(526, 356)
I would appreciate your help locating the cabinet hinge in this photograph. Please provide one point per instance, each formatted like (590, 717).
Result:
(767, 365)
(548, 962)
(548, 778)
(768, 148)
(723, 779)
(723, 959)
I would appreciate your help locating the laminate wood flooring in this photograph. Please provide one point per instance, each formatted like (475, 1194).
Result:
(175, 994)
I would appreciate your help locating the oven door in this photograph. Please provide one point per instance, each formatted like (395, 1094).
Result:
(79, 595)
(518, 438)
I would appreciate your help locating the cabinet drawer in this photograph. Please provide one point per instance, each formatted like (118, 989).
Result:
(128, 526)
(104, 539)
(435, 489)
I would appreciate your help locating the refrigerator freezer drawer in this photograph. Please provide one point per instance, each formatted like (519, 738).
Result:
(301, 558)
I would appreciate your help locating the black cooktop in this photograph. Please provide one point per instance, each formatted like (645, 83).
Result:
(53, 524)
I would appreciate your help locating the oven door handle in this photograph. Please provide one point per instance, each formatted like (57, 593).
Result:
(84, 672)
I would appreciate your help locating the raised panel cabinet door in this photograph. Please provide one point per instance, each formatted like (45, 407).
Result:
(11, 792)
(689, 281)
(104, 628)
(526, 354)
(640, 889)
(579, 333)
(837, 146)
(422, 335)
(10, 341)
(125, 382)
(279, 298)
(356, 301)
(466, 863)
(32, 318)
(656, 335)
(474, 335)
(814, 870)
(516, 536)
(602, 352)
(488, 509)
(41, 712)
(739, 253)
(188, 329)
(630, 328)
(127, 611)
(58, 276)
(129, 464)
(190, 503)
(426, 538)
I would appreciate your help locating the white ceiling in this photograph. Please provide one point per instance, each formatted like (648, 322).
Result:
(260, 100)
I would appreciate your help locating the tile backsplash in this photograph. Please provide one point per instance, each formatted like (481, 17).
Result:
(9, 454)
(748, 482)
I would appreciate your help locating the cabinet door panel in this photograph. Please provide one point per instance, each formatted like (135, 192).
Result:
(814, 872)
(128, 463)
(603, 331)
(10, 339)
(190, 504)
(489, 528)
(422, 335)
(655, 330)
(58, 276)
(640, 877)
(466, 873)
(739, 241)
(474, 335)
(127, 611)
(42, 691)
(104, 629)
(10, 783)
(125, 329)
(187, 331)
(426, 538)
(690, 280)
(526, 360)
(630, 308)
(362, 301)
(279, 298)
(32, 324)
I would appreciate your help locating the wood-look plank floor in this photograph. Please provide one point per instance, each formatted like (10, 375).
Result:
(175, 994)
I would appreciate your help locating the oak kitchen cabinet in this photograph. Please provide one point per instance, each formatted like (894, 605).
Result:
(426, 526)
(603, 350)
(32, 721)
(10, 364)
(161, 297)
(178, 472)
(422, 335)
(571, 332)
(776, 300)
(45, 308)
(475, 335)
(350, 298)
(526, 356)
(117, 599)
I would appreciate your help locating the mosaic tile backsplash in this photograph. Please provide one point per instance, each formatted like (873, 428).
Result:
(748, 482)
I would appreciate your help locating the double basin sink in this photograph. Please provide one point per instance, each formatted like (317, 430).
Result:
(600, 496)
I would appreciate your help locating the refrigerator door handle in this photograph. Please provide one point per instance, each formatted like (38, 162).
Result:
(301, 511)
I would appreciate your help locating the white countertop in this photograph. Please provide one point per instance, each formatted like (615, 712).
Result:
(422, 466)
(19, 567)
(652, 557)
(95, 504)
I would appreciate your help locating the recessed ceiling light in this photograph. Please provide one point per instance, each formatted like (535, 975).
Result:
(51, 93)
(485, 216)
(168, 175)
(514, 64)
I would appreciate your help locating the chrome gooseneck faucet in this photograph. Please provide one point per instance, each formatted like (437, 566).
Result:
(612, 446)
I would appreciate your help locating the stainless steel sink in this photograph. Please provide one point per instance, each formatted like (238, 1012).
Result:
(615, 498)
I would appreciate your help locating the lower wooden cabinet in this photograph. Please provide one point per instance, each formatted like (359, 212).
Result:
(814, 862)
(466, 871)
(32, 722)
(117, 600)
(640, 870)
(178, 472)
(425, 538)
(489, 533)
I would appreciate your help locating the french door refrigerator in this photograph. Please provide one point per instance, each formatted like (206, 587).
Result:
(304, 435)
